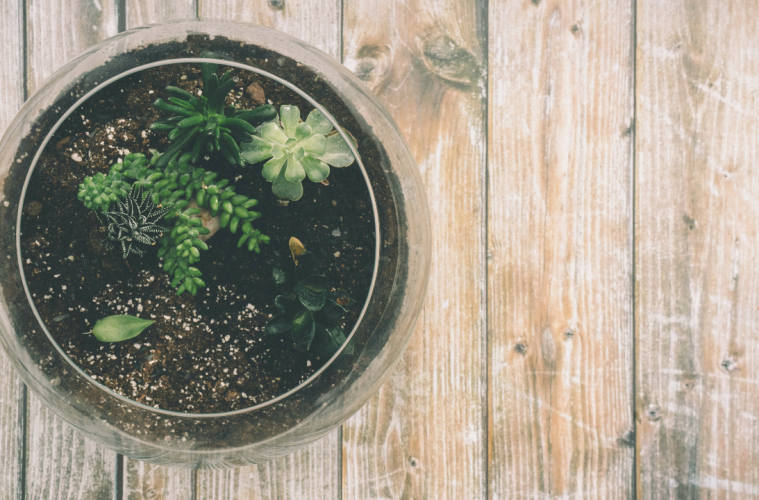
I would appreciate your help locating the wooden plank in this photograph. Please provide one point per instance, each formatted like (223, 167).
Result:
(306, 474)
(61, 463)
(559, 247)
(11, 388)
(144, 12)
(143, 480)
(317, 22)
(146, 481)
(423, 435)
(314, 471)
(697, 214)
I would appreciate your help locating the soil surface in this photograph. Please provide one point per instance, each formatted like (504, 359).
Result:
(206, 353)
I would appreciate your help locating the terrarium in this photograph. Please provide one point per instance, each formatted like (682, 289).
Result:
(216, 243)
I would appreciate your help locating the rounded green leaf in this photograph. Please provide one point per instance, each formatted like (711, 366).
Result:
(302, 131)
(316, 170)
(315, 145)
(256, 150)
(319, 123)
(290, 116)
(337, 153)
(271, 132)
(272, 168)
(120, 327)
(294, 171)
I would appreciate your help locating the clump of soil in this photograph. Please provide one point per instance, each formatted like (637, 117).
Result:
(206, 353)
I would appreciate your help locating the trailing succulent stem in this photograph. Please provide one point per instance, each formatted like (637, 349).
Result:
(146, 185)
(202, 124)
(309, 310)
(296, 149)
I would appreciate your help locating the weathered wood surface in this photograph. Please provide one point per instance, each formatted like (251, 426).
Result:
(423, 435)
(697, 248)
(61, 463)
(141, 480)
(519, 382)
(559, 248)
(313, 472)
(12, 390)
(144, 12)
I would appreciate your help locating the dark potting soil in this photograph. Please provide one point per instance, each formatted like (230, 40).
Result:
(206, 353)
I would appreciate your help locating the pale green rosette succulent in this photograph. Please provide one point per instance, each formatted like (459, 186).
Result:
(296, 149)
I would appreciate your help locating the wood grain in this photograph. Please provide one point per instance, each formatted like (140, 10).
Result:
(316, 22)
(61, 463)
(559, 248)
(146, 481)
(423, 435)
(57, 31)
(11, 388)
(697, 247)
(144, 12)
(143, 480)
(313, 472)
(310, 473)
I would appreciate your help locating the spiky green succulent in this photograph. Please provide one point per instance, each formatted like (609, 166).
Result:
(296, 149)
(203, 124)
(309, 310)
(133, 223)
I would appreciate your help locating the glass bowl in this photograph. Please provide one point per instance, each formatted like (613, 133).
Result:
(330, 396)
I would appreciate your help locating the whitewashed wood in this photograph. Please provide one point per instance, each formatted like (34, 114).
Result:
(423, 435)
(57, 31)
(316, 22)
(11, 387)
(306, 474)
(559, 247)
(61, 463)
(697, 248)
(144, 12)
(313, 472)
(146, 481)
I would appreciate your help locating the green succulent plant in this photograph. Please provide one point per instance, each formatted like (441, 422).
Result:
(296, 149)
(203, 124)
(172, 188)
(309, 310)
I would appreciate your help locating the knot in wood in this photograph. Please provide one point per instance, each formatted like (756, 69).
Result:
(447, 59)
(520, 348)
(277, 4)
(653, 412)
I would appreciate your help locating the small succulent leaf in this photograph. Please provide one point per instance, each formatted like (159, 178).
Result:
(290, 116)
(120, 327)
(256, 150)
(303, 330)
(332, 312)
(311, 292)
(277, 150)
(294, 171)
(316, 170)
(278, 325)
(302, 131)
(287, 306)
(286, 189)
(272, 168)
(281, 277)
(319, 123)
(316, 145)
(337, 335)
(337, 154)
(271, 132)
(307, 266)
